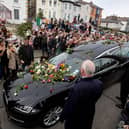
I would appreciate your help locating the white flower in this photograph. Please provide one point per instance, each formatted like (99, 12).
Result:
(38, 71)
(42, 67)
(76, 71)
(37, 67)
(15, 94)
(67, 70)
(70, 67)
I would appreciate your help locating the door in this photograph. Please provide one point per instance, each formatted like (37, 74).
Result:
(108, 70)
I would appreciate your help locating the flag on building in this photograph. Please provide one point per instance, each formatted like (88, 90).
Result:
(38, 21)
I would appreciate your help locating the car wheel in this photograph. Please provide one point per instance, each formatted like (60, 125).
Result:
(52, 116)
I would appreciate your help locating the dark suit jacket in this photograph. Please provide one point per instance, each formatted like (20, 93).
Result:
(79, 109)
(26, 54)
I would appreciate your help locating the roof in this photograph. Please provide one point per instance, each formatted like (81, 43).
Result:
(71, 1)
(110, 21)
(94, 5)
(118, 18)
(82, 2)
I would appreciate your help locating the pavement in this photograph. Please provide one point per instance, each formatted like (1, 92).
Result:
(107, 115)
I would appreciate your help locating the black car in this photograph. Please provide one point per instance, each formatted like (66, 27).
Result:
(41, 103)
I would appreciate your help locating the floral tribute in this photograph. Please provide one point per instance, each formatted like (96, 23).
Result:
(21, 87)
(49, 73)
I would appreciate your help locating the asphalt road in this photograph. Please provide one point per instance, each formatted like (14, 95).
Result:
(107, 115)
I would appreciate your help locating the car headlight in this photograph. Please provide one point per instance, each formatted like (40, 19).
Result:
(25, 109)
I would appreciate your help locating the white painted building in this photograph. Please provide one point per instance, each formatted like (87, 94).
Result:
(64, 9)
(116, 24)
(50, 8)
(124, 25)
(70, 10)
(18, 10)
(112, 24)
(85, 11)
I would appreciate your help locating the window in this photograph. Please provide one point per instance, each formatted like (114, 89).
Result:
(74, 62)
(16, 14)
(55, 2)
(69, 6)
(49, 14)
(104, 64)
(123, 51)
(43, 2)
(68, 16)
(98, 11)
(87, 8)
(16, 1)
(65, 5)
(50, 2)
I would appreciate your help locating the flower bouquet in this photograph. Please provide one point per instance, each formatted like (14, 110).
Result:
(49, 73)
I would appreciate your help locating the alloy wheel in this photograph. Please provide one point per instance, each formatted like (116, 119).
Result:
(52, 116)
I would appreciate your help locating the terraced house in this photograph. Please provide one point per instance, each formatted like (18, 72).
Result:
(23, 10)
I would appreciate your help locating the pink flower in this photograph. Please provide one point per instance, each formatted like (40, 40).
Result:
(26, 87)
(72, 77)
(51, 76)
(55, 70)
(43, 81)
(48, 80)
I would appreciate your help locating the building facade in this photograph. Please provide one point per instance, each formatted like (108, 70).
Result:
(111, 24)
(117, 23)
(85, 11)
(5, 13)
(59, 9)
(23, 10)
(96, 14)
(18, 10)
(68, 9)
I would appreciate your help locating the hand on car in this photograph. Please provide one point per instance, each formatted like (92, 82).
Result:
(22, 62)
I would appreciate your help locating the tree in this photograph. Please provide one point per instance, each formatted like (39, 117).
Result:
(23, 28)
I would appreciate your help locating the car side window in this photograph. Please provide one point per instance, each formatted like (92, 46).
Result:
(123, 51)
(104, 63)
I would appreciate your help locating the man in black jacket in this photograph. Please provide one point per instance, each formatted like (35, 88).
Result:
(26, 54)
(79, 109)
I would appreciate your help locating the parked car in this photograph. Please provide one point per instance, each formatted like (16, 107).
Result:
(42, 103)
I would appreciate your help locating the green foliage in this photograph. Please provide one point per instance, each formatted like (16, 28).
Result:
(40, 14)
(22, 28)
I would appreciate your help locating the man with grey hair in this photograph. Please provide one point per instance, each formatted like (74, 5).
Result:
(79, 109)
(87, 68)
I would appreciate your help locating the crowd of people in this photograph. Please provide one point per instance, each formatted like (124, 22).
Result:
(52, 38)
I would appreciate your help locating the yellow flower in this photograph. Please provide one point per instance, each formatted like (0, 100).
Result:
(51, 66)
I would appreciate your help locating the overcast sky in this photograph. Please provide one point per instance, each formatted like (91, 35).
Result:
(116, 7)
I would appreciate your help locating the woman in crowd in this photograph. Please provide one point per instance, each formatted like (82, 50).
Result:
(11, 53)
